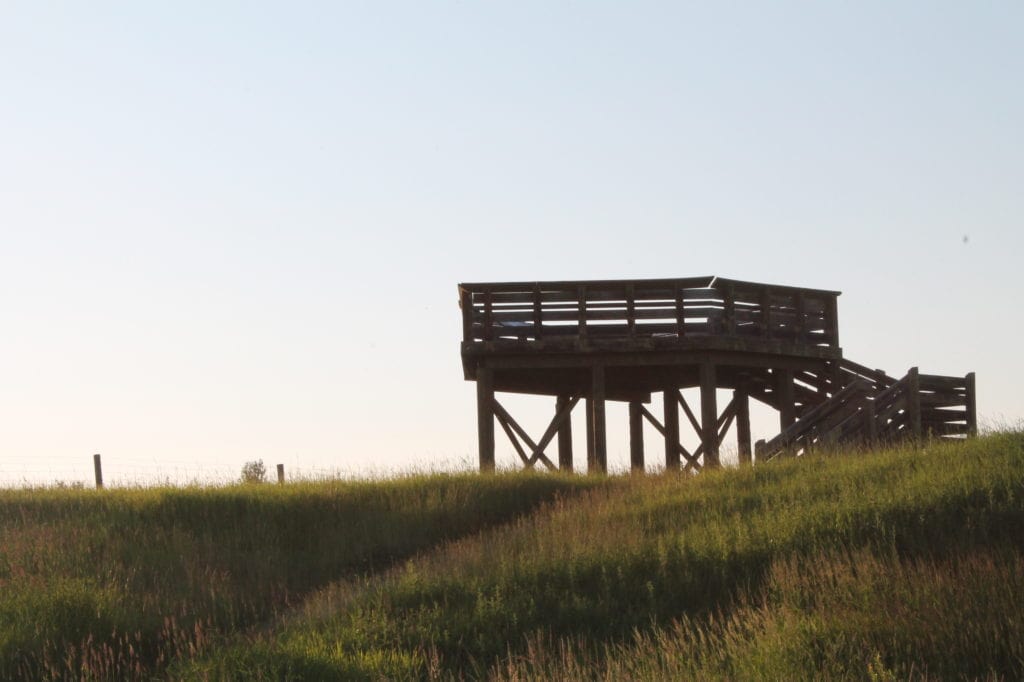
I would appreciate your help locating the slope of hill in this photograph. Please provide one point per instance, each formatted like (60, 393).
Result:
(881, 565)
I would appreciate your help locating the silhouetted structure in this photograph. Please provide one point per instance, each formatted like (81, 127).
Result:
(627, 339)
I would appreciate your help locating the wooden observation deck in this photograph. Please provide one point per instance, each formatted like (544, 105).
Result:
(625, 340)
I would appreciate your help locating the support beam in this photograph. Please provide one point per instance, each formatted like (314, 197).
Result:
(485, 416)
(742, 402)
(564, 436)
(671, 429)
(787, 402)
(636, 437)
(709, 414)
(590, 434)
(599, 435)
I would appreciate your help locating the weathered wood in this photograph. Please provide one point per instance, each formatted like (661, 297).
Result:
(671, 433)
(972, 406)
(564, 436)
(742, 401)
(591, 456)
(636, 436)
(485, 416)
(709, 414)
(506, 426)
(691, 458)
(536, 449)
(688, 412)
(914, 403)
(97, 467)
(787, 403)
(600, 433)
(280, 474)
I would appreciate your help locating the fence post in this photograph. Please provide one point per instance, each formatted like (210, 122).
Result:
(280, 474)
(98, 468)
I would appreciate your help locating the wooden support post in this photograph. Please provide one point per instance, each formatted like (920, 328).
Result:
(591, 465)
(564, 436)
(742, 402)
(98, 470)
(971, 406)
(787, 401)
(914, 403)
(709, 414)
(598, 435)
(671, 429)
(871, 422)
(485, 416)
(636, 436)
(759, 453)
(280, 474)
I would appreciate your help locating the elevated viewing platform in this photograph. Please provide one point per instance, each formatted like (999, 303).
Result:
(627, 340)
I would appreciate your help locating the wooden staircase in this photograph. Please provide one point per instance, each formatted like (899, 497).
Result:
(871, 407)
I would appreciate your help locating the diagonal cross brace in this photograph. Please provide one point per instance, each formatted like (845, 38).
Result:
(692, 460)
(510, 425)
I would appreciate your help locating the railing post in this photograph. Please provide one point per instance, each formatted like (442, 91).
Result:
(581, 302)
(914, 403)
(800, 325)
(631, 310)
(98, 470)
(680, 312)
(538, 320)
(466, 304)
(832, 321)
(729, 306)
(971, 406)
(766, 312)
(488, 315)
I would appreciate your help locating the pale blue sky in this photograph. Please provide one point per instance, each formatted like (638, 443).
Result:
(232, 231)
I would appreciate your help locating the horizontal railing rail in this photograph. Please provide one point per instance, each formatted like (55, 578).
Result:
(535, 311)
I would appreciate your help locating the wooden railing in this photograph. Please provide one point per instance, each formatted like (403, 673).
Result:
(914, 407)
(622, 309)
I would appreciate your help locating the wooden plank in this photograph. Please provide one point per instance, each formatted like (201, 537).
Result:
(485, 417)
(538, 320)
(709, 414)
(591, 457)
(671, 433)
(636, 437)
(564, 436)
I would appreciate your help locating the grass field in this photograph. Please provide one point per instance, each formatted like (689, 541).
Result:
(884, 565)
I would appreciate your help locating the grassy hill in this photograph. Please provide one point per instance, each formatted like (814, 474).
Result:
(885, 565)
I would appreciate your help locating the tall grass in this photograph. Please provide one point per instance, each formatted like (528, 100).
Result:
(665, 557)
(119, 583)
